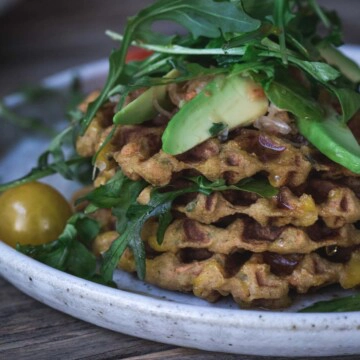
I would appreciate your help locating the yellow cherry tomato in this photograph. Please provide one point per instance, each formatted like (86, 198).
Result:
(32, 214)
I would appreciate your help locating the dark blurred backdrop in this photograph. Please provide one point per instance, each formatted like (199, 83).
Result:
(41, 37)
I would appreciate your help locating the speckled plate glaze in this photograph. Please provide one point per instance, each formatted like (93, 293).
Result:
(145, 311)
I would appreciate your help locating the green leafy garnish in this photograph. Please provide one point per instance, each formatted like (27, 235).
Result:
(288, 95)
(137, 215)
(208, 18)
(57, 160)
(259, 186)
(333, 139)
(45, 170)
(69, 252)
(217, 128)
(348, 303)
(24, 122)
(132, 216)
(320, 125)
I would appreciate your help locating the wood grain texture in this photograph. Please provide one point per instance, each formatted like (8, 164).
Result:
(37, 39)
(33, 331)
(41, 37)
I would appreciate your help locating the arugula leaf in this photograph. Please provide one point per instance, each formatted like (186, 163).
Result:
(324, 73)
(108, 195)
(348, 303)
(266, 29)
(165, 220)
(208, 18)
(259, 9)
(56, 151)
(118, 194)
(116, 67)
(202, 17)
(217, 128)
(349, 101)
(318, 70)
(253, 67)
(258, 186)
(38, 95)
(24, 122)
(45, 170)
(320, 126)
(68, 253)
(130, 192)
(288, 95)
(137, 215)
(56, 159)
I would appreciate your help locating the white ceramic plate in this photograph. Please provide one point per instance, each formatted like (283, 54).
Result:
(145, 311)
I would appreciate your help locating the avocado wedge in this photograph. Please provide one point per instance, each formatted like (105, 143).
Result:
(321, 126)
(335, 57)
(142, 108)
(228, 100)
(333, 139)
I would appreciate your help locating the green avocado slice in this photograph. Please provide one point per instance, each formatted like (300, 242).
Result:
(333, 139)
(320, 126)
(333, 56)
(230, 101)
(142, 108)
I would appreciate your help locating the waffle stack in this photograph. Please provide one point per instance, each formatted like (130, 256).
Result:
(258, 250)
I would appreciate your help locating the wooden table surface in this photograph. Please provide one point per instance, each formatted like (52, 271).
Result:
(37, 39)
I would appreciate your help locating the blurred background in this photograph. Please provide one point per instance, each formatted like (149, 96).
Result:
(41, 37)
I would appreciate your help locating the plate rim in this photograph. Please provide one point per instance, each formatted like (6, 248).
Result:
(7, 251)
(303, 331)
(344, 322)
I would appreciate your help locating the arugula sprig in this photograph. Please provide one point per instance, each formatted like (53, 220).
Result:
(258, 186)
(58, 158)
(69, 252)
(136, 216)
(24, 122)
(120, 194)
(347, 303)
(279, 40)
(209, 18)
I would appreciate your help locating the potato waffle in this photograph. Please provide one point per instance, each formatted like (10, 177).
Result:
(258, 250)
(265, 279)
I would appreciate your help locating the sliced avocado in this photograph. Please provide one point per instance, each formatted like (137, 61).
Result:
(142, 108)
(333, 139)
(322, 127)
(232, 101)
(335, 57)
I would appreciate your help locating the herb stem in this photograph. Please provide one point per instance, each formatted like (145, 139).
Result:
(37, 174)
(279, 15)
(180, 50)
(23, 122)
(320, 13)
